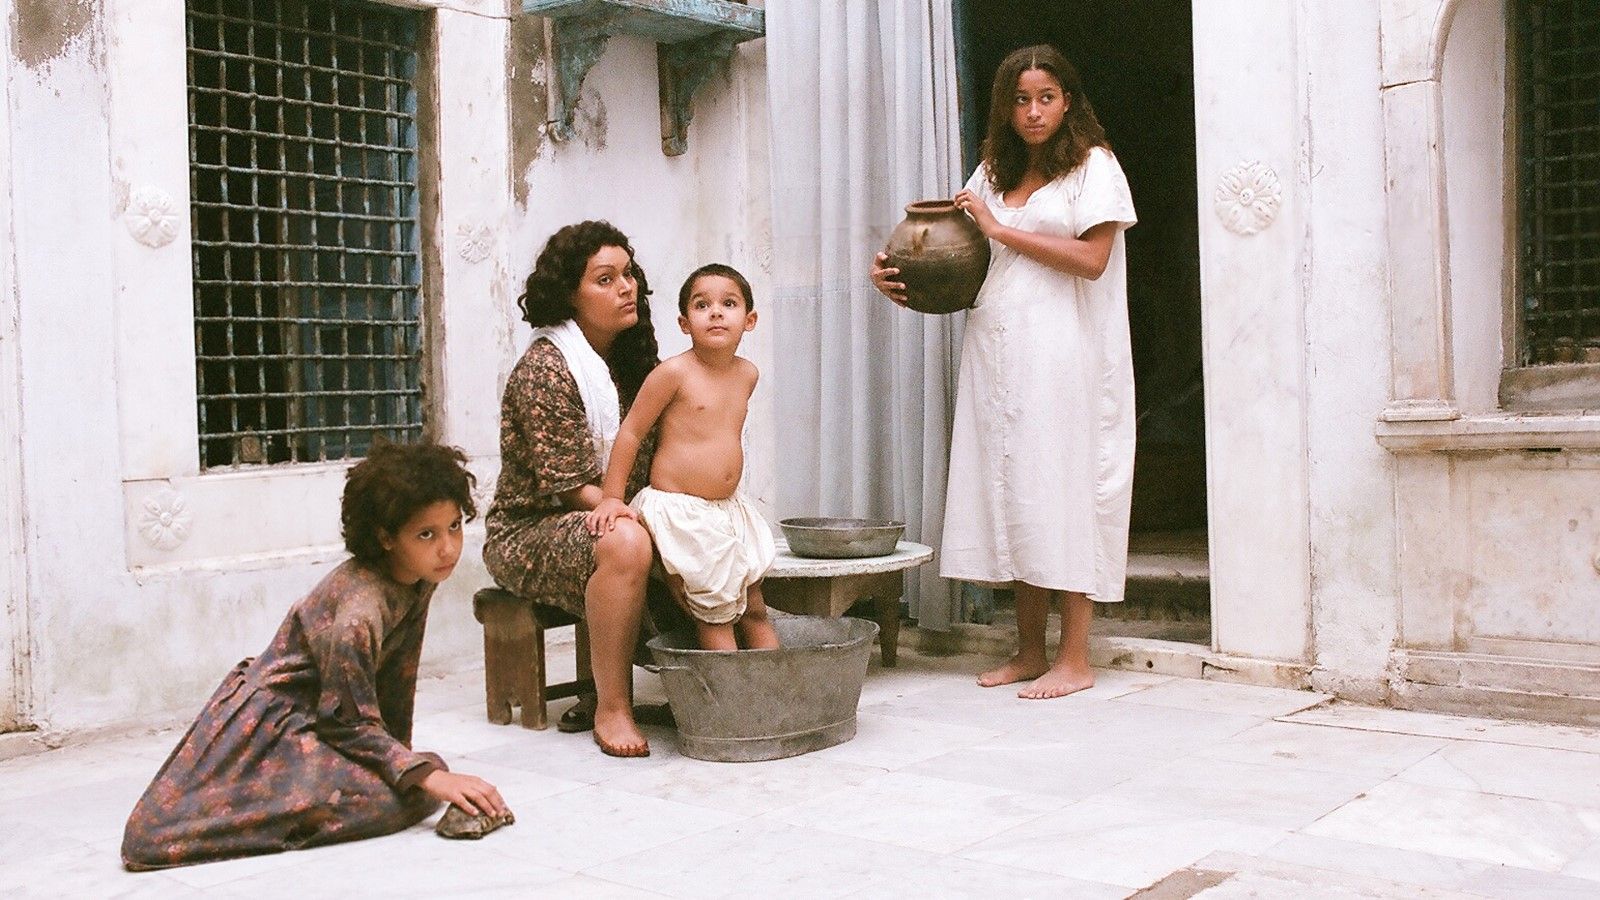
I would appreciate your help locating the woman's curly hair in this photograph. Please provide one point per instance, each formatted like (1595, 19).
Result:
(387, 488)
(1005, 155)
(547, 298)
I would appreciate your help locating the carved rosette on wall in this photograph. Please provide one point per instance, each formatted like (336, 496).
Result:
(164, 522)
(477, 241)
(151, 216)
(1248, 196)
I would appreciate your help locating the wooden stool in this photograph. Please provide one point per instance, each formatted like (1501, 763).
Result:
(513, 655)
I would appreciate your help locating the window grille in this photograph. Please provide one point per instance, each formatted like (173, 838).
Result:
(1558, 110)
(303, 179)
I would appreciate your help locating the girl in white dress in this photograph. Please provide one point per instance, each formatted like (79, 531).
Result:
(1041, 457)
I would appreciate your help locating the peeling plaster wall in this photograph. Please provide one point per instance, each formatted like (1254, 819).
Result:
(708, 205)
(121, 637)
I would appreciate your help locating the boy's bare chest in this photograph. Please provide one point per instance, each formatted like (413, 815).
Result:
(704, 402)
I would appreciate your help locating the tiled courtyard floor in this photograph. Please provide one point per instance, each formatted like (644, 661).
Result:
(1198, 788)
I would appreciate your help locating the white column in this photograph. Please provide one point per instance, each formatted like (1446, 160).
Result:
(13, 554)
(1248, 90)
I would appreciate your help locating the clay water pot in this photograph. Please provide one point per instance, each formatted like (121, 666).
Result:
(941, 255)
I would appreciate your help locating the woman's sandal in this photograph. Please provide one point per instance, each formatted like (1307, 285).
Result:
(458, 824)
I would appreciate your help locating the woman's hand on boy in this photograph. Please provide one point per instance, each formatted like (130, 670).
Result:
(881, 274)
(469, 792)
(604, 517)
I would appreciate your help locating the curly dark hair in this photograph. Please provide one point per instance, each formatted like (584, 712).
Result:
(728, 272)
(388, 487)
(1004, 153)
(547, 298)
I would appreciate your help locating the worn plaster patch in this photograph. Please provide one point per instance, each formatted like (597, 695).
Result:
(528, 93)
(43, 30)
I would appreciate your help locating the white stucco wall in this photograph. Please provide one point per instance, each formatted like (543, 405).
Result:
(1347, 336)
(127, 632)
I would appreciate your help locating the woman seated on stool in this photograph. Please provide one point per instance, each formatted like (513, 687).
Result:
(592, 347)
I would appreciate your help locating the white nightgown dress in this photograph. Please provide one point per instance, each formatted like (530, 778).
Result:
(1041, 457)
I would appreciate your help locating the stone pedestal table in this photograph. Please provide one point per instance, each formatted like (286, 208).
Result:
(828, 587)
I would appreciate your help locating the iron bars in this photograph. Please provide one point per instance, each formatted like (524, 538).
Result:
(1558, 111)
(304, 201)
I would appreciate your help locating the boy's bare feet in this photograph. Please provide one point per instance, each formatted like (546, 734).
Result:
(1012, 671)
(1059, 681)
(617, 735)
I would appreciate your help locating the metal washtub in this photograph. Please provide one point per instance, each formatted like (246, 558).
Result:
(752, 705)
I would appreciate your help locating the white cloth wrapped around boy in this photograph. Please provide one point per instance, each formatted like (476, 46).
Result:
(718, 547)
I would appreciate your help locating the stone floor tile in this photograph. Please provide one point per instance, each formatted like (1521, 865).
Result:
(90, 813)
(21, 837)
(1429, 870)
(415, 863)
(744, 788)
(68, 767)
(1119, 843)
(1538, 773)
(83, 872)
(916, 811)
(1508, 881)
(1154, 732)
(1586, 864)
(1270, 797)
(1323, 749)
(1069, 770)
(1461, 728)
(208, 876)
(949, 876)
(1530, 834)
(578, 829)
(887, 742)
(965, 703)
(765, 858)
(571, 757)
(1219, 696)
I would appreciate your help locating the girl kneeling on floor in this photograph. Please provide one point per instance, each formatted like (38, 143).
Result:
(310, 742)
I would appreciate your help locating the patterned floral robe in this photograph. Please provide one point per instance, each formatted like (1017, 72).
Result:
(308, 743)
(534, 546)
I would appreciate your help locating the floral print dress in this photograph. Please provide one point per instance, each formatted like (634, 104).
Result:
(306, 744)
(534, 546)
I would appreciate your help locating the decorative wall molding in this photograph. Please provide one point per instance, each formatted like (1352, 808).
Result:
(165, 520)
(477, 241)
(152, 216)
(1248, 196)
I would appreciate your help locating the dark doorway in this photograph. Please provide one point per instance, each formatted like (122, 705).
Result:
(1137, 63)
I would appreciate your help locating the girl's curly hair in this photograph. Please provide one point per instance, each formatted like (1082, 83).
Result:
(1004, 153)
(547, 299)
(387, 488)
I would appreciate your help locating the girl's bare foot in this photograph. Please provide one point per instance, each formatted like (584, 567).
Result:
(1012, 671)
(618, 735)
(1059, 681)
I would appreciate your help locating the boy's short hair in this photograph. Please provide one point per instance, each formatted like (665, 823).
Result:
(388, 487)
(728, 272)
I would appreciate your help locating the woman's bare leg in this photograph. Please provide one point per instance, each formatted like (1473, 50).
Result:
(613, 605)
(1070, 672)
(1033, 609)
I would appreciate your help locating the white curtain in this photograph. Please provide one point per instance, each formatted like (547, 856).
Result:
(864, 121)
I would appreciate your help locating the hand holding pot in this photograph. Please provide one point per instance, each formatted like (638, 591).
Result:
(881, 273)
(981, 214)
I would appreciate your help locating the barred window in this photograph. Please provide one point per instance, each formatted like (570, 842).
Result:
(1558, 120)
(303, 179)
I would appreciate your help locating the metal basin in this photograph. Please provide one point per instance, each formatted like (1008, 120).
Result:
(828, 538)
(751, 705)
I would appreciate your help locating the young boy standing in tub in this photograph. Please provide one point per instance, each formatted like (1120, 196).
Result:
(713, 543)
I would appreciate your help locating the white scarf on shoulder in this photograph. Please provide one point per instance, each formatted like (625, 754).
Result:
(601, 405)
